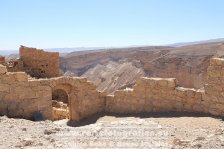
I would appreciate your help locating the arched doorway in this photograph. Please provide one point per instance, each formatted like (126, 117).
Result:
(60, 103)
(60, 95)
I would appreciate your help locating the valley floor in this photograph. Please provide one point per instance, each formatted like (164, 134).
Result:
(114, 132)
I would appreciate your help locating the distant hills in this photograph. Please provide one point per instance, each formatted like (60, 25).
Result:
(62, 51)
(116, 68)
(180, 44)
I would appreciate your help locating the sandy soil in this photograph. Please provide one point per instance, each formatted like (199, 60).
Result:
(114, 132)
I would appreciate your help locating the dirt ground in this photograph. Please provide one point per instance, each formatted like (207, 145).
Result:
(157, 131)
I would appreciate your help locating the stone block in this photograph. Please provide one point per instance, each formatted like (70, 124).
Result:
(4, 88)
(21, 77)
(33, 83)
(172, 82)
(162, 82)
(3, 69)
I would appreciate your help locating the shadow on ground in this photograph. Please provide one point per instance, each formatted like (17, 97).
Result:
(92, 119)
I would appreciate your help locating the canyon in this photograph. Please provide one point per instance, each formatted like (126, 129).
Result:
(108, 68)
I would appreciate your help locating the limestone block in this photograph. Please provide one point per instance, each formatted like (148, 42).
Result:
(59, 114)
(198, 108)
(8, 79)
(45, 88)
(190, 93)
(21, 76)
(3, 69)
(188, 107)
(33, 83)
(179, 106)
(219, 107)
(162, 82)
(172, 82)
(4, 88)
(30, 95)
(181, 92)
(53, 83)
(198, 95)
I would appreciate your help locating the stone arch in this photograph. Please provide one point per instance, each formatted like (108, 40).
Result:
(66, 86)
(83, 98)
(60, 95)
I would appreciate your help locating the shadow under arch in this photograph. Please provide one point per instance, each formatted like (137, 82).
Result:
(62, 93)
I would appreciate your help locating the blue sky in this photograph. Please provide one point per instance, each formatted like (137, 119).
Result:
(106, 23)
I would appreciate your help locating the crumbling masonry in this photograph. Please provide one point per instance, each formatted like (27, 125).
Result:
(22, 96)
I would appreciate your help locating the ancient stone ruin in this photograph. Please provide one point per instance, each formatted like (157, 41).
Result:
(35, 62)
(76, 98)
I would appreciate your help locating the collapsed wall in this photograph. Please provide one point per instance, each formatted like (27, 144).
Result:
(22, 97)
(155, 95)
(2, 59)
(214, 87)
(163, 95)
(39, 63)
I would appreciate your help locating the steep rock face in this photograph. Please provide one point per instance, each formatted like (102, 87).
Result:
(113, 75)
(188, 64)
(79, 62)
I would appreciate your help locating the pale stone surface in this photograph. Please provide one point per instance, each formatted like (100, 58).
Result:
(3, 69)
(43, 64)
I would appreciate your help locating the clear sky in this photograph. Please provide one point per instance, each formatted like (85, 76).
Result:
(106, 23)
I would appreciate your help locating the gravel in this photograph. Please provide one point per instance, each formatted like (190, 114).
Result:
(113, 132)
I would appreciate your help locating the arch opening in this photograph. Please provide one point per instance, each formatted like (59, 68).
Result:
(60, 96)
(60, 102)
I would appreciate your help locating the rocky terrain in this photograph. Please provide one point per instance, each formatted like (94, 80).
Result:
(187, 63)
(114, 75)
(159, 131)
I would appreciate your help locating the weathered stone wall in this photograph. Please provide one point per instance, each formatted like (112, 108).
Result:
(214, 88)
(15, 65)
(163, 95)
(21, 98)
(39, 63)
(84, 100)
(155, 95)
(2, 59)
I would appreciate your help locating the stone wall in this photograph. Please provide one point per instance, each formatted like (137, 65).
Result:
(163, 95)
(39, 63)
(214, 88)
(155, 95)
(84, 100)
(2, 59)
(20, 97)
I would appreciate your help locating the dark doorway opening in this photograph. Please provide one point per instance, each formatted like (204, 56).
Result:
(60, 101)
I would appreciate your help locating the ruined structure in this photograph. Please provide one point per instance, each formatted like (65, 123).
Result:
(39, 63)
(21, 96)
(2, 59)
(36, 62)
(163, 95)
